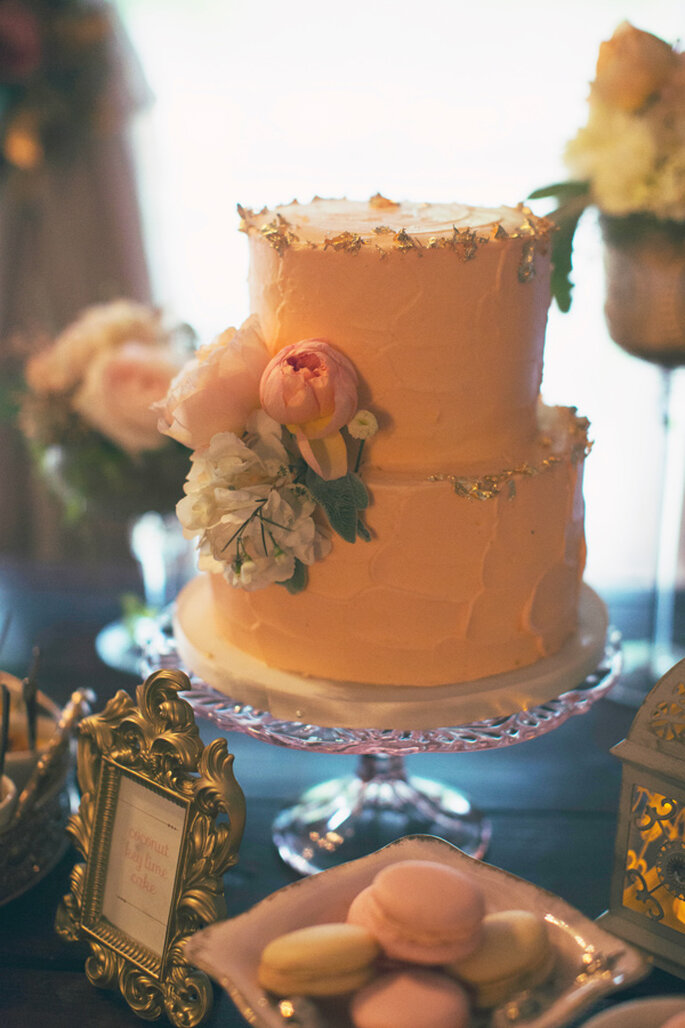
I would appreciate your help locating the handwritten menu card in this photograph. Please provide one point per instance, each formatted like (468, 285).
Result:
(143, 861)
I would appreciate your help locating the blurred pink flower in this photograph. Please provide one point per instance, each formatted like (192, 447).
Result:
(118, 390)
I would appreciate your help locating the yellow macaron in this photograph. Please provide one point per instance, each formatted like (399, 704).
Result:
(515, 954)
(319, 960)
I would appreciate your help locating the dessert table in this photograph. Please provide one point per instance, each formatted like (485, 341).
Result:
(552, 801)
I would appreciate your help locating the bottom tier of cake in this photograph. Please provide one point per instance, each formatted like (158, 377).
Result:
(464, 577)
(354, 706)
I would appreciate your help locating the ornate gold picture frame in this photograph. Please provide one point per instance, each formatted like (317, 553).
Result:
(160, 820)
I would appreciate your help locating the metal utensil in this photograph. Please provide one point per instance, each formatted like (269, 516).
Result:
(29, 691)
(4, 726)
(76, 708)
(4, 631)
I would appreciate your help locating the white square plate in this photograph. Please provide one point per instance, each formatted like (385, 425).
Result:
(639, 1013)
(589, 961)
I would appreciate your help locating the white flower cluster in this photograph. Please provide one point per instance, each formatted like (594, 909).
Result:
(631, 167)
(252, 519)
(363, 425)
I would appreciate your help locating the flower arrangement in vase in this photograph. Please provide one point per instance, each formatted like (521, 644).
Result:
(277, 441)
(628, 161)
(85, 408)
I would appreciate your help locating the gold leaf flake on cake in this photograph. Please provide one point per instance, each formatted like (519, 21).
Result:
(526, 270)
(581, 444)
(487, 487)
(247, 216)
(378, 202)
(443, 242)
(466, 244)
(349, 242)
(404, 242)
(282, 232)
(532, 225)
(278, 234)
(526, 228)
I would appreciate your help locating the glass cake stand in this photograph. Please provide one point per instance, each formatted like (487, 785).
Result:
(348, 817)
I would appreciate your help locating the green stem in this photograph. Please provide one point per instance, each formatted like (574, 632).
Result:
(359, 455)
(239, 531)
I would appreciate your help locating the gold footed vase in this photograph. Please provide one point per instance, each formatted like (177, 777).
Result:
(644, 262)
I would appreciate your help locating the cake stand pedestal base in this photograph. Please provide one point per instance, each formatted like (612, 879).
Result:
(346, 818)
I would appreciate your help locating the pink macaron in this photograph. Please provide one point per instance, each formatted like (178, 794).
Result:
(422, 912)
(406, 999)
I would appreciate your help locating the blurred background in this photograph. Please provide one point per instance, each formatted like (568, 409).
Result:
(259, 102)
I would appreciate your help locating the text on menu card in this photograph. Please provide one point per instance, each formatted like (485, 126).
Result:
(147, 836)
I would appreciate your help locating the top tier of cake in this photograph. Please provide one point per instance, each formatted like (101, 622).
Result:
(442, 308)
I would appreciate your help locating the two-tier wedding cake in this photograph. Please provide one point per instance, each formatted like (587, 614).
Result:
(379, 493)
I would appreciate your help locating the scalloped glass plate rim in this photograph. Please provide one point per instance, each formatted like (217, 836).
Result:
(229, 950)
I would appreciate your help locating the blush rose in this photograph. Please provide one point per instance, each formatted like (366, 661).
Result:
(62, 365)
(118, 390)
(217, 390)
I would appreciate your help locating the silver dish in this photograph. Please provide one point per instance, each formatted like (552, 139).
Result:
(32, 846)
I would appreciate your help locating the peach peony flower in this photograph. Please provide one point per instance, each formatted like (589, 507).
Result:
(632, 66)
(217, 390)
(312, 389)
(118, 390)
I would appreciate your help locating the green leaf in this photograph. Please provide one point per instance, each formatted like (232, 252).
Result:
(298, 580)
(561, 190)
(566, 218)
(573, 197)
(362, 531)
(341, 499)
(358, 489)
(10, 397)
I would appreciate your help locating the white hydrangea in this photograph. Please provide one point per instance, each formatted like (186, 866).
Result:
(631, 168)
(252, 519)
